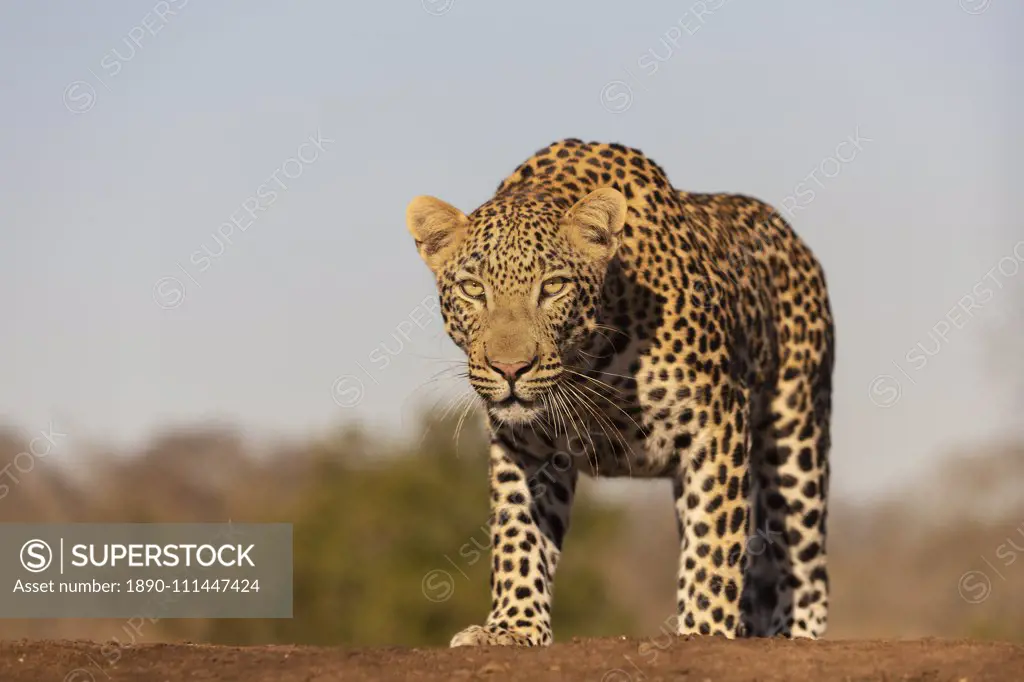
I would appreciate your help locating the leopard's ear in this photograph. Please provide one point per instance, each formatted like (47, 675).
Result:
(437, 227)
(594, 223)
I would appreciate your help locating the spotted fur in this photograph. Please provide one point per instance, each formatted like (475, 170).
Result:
(617, 326)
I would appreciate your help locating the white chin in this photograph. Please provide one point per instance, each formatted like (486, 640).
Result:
(516, 414)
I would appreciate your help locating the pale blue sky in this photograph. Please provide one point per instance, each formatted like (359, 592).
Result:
(120, 161)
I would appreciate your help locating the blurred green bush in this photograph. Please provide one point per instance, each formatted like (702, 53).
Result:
(391, 547)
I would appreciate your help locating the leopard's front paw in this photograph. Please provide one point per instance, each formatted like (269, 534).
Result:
(491, 635)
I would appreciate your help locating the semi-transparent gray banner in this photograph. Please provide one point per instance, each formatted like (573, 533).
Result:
(152, 570)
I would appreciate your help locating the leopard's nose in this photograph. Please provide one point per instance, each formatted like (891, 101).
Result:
(514, 369)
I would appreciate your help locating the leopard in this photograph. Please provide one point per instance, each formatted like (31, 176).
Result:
(613, 326)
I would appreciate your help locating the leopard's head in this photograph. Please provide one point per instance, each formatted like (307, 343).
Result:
(520, 283)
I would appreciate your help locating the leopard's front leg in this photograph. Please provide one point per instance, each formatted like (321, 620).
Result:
(712, 489)
(532, 489)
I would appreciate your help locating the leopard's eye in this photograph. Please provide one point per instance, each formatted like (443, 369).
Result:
(554, 286)
(472, 289)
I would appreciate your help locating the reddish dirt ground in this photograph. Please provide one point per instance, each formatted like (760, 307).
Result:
(605, 660)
